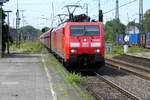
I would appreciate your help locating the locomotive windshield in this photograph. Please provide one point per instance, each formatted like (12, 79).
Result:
(85, 31)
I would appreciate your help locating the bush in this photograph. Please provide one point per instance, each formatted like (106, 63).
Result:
(28, 47)
(117, 49)
(74, 78)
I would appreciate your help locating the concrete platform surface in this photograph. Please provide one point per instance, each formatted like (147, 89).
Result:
(22, 77)
(26, 77)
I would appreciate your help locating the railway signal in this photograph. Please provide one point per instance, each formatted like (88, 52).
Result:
(100, 16)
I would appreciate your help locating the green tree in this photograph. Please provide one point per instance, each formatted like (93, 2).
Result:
(6, 38)
(113, 27)
(147, 21)
(29, 33)
(108, 30)
(132, 23)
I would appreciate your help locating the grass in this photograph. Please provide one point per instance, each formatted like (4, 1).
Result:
(118, 50)
(70, 78)
(74, 78)
(30, 47)
(136, 49)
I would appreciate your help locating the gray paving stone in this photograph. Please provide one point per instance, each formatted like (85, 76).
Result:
(22, 77)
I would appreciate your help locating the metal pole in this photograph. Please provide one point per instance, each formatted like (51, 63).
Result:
(17, 29)
(23, 21)
(141, 16)
(8, 30)
(52, 16)
(134, 25)
(99, 4)
(117, 10)
(1, 31)
(86, 9)
(17, 26)
(8, 34)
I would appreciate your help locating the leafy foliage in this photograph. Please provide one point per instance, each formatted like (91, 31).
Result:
(108, 33)
(118, 49)
(132, 23)
(74, 78)
(31, 47)
(136, 49)
(29, 33)
(6, 38)
(113, 27)
(28, 48)
(147, 21)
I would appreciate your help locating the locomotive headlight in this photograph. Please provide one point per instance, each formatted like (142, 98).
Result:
(97, 50)
(74, 44)
(95, 44)
(73, 51)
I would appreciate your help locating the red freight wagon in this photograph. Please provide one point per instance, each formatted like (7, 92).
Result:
(45, 39)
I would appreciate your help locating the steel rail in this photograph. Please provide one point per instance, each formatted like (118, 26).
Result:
(134, 70)
(137, 57)
(120, 89)
(139, 67)
(97, 97)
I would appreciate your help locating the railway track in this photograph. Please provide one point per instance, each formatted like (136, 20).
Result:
(104, 89)
(138, 69)
(145, 62)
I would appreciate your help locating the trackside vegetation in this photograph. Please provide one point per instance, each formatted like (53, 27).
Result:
(30, 47)
(74, 78)
(71, 79)
(118, 49)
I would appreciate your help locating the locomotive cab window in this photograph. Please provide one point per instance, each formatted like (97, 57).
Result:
(77, 30)
(84, 31)
(92, 31)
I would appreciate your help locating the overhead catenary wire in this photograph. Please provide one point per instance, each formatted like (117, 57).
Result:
(114, 8)
(120, 6)
(58, 11)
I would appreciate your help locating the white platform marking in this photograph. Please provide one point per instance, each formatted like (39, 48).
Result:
(49, 79)
(9, 83)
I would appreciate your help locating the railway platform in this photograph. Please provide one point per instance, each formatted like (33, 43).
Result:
(27, 77)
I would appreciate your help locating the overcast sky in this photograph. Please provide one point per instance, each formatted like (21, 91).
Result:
(38, 13)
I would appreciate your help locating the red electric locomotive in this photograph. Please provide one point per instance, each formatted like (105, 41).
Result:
(78, 43)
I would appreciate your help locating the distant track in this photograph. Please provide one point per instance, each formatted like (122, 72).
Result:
(145, 62)
(135, 68)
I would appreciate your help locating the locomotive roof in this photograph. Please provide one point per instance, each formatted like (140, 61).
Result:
(63, 24)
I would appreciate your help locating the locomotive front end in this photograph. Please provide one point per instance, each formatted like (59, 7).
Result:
(86, 44)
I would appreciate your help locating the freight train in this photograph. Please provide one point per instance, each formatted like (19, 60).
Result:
(77, 44)
(142, 40)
